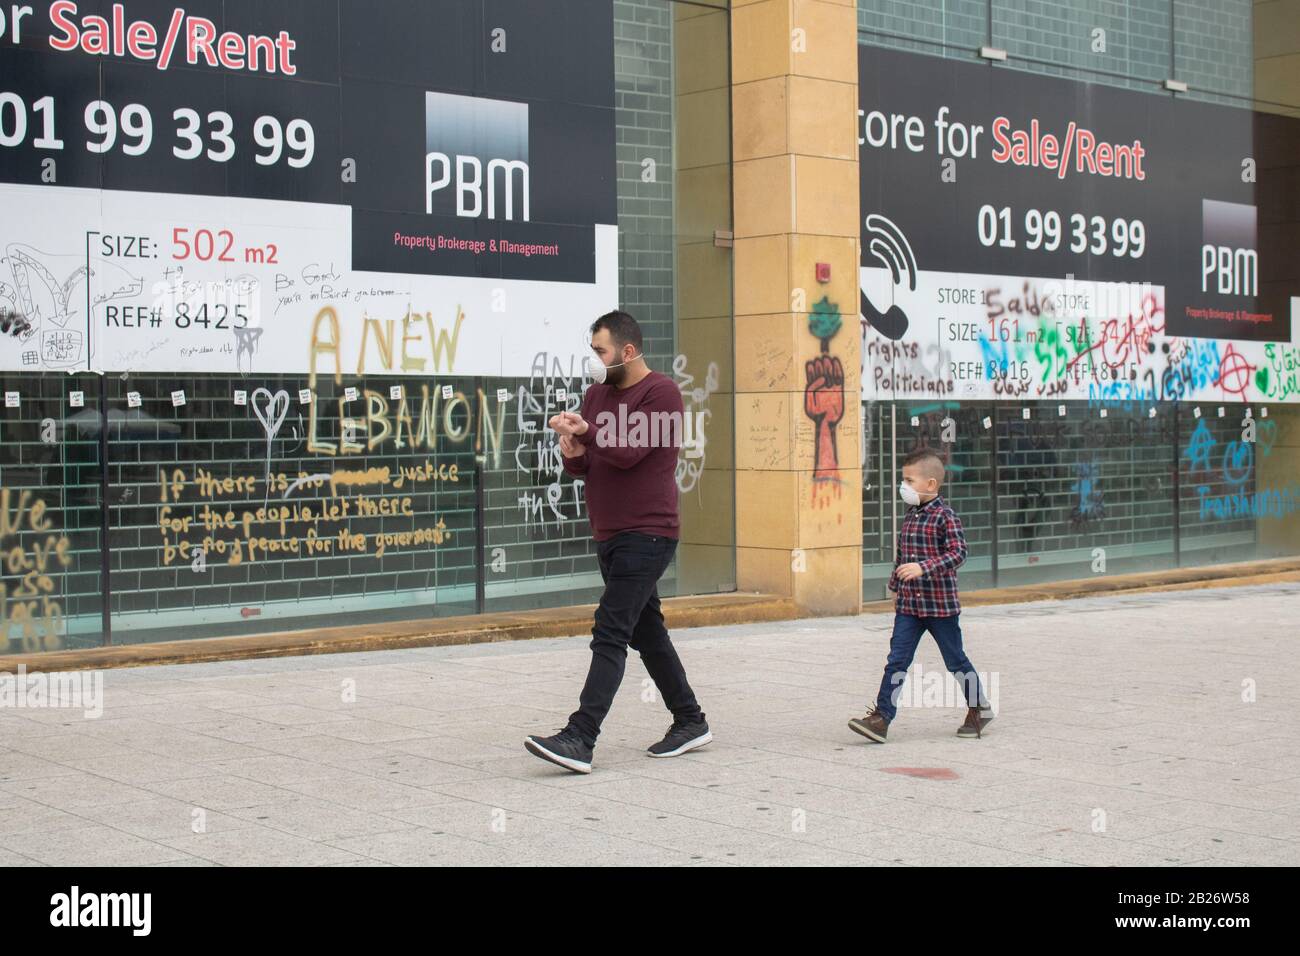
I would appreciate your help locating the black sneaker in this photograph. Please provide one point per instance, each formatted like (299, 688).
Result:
(680, 738)
(565, 748)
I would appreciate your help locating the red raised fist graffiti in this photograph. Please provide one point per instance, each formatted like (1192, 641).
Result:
(823, 402)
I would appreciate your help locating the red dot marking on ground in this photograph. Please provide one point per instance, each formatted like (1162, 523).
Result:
(925, 773)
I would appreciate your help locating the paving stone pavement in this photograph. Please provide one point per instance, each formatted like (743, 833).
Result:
(1149, 730)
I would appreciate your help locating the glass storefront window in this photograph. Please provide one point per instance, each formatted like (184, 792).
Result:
(1105, 355)
(331, 335)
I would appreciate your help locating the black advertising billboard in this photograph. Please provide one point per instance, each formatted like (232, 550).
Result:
(1033, 235)
(188, 188)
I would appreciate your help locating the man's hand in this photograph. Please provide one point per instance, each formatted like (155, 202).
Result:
(907, 572)
(568, 423)
(570, 447)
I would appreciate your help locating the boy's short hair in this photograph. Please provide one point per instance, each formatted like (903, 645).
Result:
(929, 460)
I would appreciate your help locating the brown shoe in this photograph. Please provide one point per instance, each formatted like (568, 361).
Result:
(976, 721)
(873, 726)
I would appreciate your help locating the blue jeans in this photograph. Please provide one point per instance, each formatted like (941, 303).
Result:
(908, 629)
(629, 615)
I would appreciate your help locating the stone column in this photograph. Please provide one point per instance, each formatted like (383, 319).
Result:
(794, 93)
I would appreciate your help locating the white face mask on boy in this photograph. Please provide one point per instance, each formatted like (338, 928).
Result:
(909, 494)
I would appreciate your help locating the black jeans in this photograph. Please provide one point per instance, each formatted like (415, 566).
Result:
(631, 564)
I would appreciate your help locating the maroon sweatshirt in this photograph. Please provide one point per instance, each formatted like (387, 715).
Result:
(631, 476)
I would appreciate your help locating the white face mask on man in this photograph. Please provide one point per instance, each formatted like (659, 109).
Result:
(598, 371)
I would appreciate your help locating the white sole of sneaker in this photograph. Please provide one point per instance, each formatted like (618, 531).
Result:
(858, 728)
(568, 763)
(700, 741)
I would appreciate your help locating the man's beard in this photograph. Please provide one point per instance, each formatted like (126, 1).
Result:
(615, 376)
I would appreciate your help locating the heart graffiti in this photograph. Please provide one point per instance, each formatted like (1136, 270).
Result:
(270, 411)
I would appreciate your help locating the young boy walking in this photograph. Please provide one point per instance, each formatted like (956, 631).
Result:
(930, 548)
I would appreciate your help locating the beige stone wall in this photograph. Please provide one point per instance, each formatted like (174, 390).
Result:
(794, 143)
(1277, 54)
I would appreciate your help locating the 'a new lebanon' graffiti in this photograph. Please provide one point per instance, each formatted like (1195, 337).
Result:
(409, 352)
(383, 422)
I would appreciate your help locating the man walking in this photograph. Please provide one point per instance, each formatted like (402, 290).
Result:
(631, 492)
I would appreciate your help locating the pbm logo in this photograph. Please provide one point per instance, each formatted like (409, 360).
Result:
(476, 157)
(1229, 263)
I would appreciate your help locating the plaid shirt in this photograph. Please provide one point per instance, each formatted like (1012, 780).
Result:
(932, 537)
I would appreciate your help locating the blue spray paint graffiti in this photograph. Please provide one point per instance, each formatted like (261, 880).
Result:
(1236, 467)
(1265, 503)
(1089, 505)
(1196, 366)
